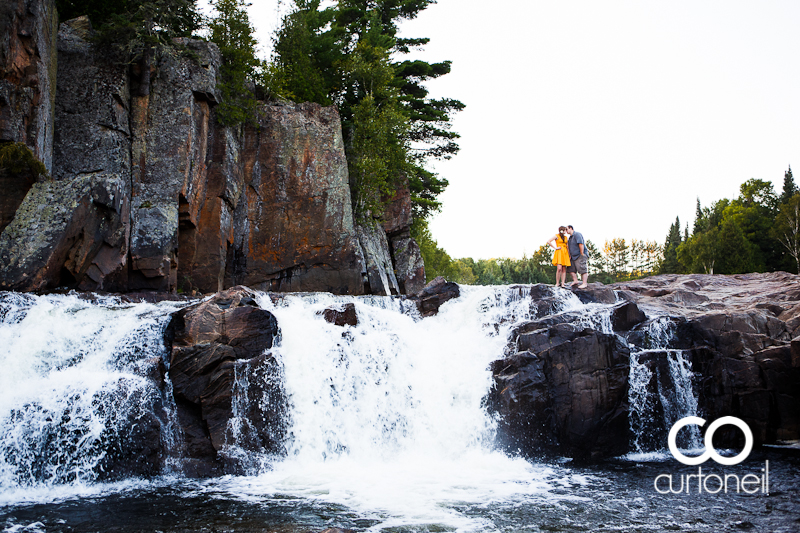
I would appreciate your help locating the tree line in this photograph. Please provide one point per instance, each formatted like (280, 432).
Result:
(345, 53)
(617, 260)
(759, 231)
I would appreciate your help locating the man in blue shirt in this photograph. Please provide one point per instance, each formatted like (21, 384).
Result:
(578, 258)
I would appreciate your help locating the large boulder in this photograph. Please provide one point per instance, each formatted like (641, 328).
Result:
(565, 392)
(216, 347)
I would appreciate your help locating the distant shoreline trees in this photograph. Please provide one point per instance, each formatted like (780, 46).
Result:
(758, 231)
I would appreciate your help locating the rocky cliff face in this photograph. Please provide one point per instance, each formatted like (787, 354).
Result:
(293, 224)
(27, 85)
(27, 74)
(153, 194)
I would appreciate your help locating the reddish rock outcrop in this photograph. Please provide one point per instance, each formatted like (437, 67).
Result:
(293, 224)
(169, 155)
(28, 74)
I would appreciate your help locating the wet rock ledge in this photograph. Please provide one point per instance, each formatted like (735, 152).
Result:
(563, 386)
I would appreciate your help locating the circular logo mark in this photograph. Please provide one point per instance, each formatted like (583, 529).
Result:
(710, 451)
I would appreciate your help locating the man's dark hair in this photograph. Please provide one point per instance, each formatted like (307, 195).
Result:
(570, 226)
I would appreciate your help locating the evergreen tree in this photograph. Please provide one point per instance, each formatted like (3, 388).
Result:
(699, 219)
(789, 187)
(670, 264)
(341, 54)
(232, 32)
(309, 51)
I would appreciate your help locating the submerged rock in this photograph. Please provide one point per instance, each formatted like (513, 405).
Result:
(343, 315)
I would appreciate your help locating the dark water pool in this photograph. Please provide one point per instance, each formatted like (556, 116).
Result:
(618, 495)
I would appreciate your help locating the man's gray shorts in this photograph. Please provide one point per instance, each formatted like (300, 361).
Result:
(578, 265)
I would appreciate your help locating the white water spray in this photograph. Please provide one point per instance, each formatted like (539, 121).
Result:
(675, 400)
(73, 384)
(386, 417)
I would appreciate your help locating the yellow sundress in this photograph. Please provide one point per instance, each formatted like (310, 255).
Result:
(561, 257)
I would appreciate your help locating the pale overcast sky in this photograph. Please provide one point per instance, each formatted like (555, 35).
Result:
(612, 116)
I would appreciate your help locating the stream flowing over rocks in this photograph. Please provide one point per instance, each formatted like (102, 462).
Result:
(394, 410)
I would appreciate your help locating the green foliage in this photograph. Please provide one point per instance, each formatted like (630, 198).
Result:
(308, 54)
(621, 260)
(701, 252)
(341, 54)
(507, 271)
(16, 158)
(670, 263)
(751, 233)
(789, 187)
(787, 229)
(133, 26)
(437, 261)
(232, 32)
(376, 152)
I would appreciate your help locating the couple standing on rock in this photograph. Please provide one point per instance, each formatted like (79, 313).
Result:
(570, 256)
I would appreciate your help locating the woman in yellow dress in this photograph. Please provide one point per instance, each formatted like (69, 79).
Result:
(561, 255)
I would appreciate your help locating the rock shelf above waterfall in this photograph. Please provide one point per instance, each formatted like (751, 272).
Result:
(565, 387)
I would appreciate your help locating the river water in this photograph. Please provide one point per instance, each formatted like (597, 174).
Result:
(386, 429)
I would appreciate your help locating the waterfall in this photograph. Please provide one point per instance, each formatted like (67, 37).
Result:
(78, 380)
(660, 390)
(385, 418)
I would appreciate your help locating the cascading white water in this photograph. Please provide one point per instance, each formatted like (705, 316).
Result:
(681, 401)
(386, 417)
(73, 384)
(676, 400)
